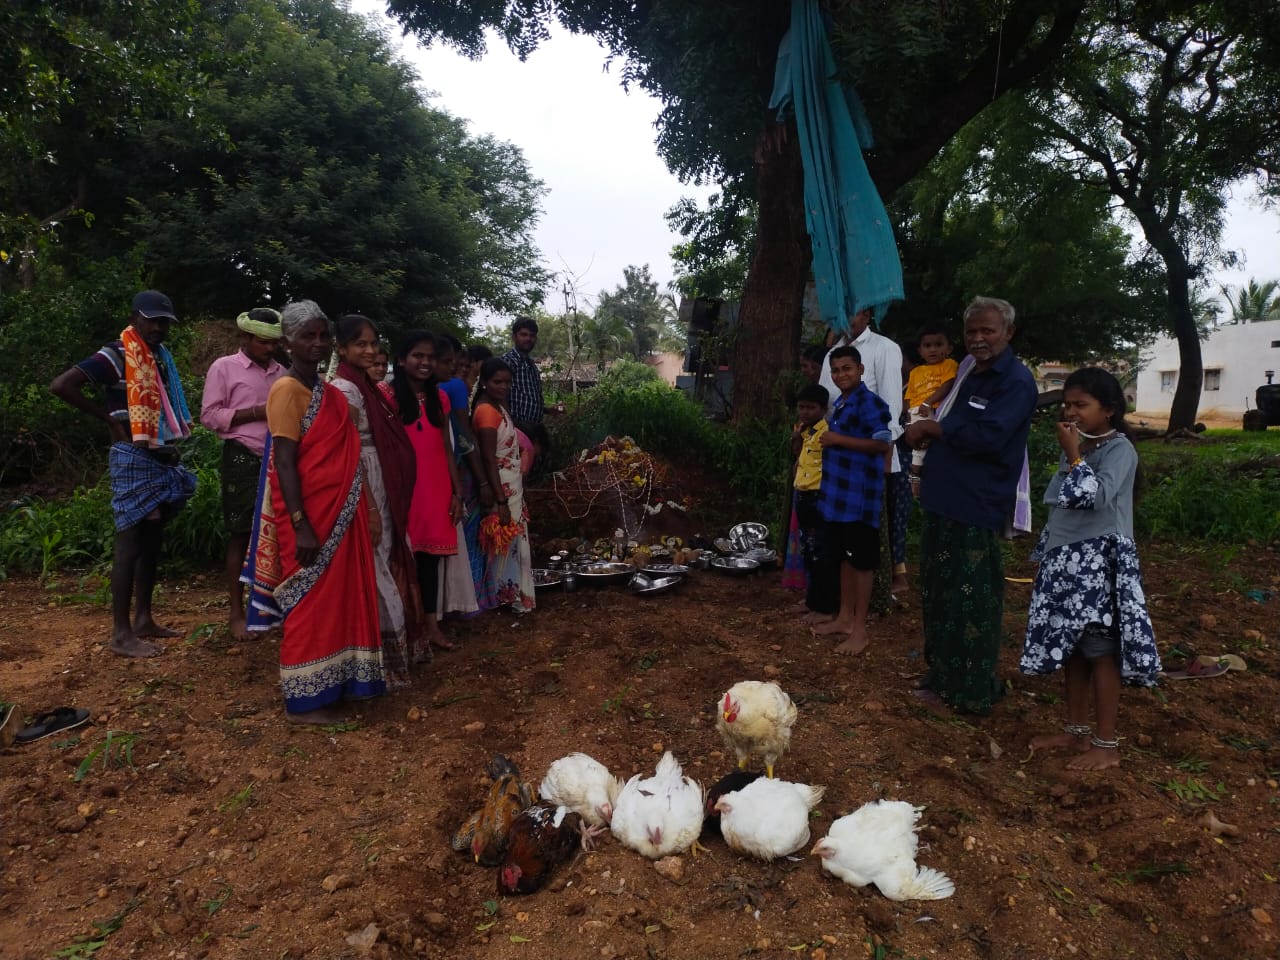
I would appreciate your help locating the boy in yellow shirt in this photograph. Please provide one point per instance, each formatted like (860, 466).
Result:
(928, 385)
(822, 597)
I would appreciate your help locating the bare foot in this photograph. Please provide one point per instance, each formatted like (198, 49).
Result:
(831, 627)
(855, 644)
(125, 644)
(813, 616)
(322, 717)
(149, 628)
(899, 583)
(238, 629)
(1095, 758)
(440, 642)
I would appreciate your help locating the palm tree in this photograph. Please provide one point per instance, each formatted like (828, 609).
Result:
(1253, 301)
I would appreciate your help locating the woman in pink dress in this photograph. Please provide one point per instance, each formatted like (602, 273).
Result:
(436, 506)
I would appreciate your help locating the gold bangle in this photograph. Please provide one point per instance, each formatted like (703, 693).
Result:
(1077, 461)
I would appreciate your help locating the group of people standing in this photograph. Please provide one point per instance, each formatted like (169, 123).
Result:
(358, 511)
(963, 454)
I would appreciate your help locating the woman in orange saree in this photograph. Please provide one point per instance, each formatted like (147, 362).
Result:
(312, 547)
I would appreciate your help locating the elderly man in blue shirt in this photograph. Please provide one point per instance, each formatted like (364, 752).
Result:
(976, 447)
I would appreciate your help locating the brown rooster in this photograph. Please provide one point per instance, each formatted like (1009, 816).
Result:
(541, 838)
(485, 831)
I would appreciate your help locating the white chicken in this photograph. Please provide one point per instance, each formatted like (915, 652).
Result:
(877, 844)
(768, 818)
(755, 719)
(660, 815)
(584, 785)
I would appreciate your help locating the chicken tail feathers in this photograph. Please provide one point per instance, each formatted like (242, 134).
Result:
(668, 766)
(812, 794)
(461, 840)
(499, 766)
(929, 884)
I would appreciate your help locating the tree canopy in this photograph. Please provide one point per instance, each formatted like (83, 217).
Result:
(305, 161)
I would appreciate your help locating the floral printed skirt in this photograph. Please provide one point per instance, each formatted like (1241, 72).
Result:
(1095, 581)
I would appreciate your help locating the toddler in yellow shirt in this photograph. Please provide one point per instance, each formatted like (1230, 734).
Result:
(928, 385)
(822, 594)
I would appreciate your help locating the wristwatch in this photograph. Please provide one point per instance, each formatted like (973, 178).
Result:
(297, 517)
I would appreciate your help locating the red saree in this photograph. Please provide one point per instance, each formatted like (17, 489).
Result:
(331, 647)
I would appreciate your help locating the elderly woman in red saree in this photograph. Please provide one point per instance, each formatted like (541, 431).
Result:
(311, 547)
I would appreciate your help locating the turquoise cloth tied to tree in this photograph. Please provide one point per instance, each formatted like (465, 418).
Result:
(855, 257)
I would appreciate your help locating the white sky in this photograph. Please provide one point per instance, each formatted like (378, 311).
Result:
(593, 146)
(591, 143)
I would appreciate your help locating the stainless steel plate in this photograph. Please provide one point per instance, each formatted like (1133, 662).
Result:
(739, 566)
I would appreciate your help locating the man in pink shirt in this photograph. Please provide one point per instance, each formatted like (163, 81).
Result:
(235, 408)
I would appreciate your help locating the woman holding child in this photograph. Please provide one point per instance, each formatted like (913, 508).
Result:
(976, 447)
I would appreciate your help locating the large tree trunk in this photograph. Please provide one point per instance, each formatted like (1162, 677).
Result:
(1186, 396)
(767, 341)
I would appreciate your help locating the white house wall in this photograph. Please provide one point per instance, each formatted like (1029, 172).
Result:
(1240, 355)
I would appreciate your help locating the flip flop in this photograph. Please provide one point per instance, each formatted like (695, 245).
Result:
(1229, 660)
(1197, 670)
(10, 723)
(51, 722)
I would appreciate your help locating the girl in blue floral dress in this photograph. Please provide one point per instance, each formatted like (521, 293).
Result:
(1088, 610)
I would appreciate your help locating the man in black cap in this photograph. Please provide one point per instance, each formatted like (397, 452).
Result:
(145, 411)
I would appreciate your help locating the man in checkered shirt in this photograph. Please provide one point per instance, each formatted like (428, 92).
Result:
(526, 383)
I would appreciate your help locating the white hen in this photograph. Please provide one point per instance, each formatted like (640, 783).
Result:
(584, 785)
(877, 844)
(768, 818)
(660, 815)
(755, 719)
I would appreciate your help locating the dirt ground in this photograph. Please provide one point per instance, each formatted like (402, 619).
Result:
(224, 832)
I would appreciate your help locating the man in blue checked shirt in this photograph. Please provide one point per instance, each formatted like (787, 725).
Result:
(852, 491)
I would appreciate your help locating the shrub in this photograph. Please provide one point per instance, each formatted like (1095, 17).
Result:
(44, 536)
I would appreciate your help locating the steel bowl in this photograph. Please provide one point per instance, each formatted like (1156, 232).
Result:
(724, 545)
(646, 586)
(738, 566)
(762, 555)
(606, 572)
(544, 579)
(666, 569)
(750, 534)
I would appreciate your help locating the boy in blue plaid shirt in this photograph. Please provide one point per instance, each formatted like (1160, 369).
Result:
(852, 491)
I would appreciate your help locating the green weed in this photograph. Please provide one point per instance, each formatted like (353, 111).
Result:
(1192, 764)
(116, 751)
(614, 703)
(235, 804)
(347, 726)
(1193, 790)
(86, 946)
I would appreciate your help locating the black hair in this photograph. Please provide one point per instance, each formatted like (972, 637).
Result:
(265, 315)
(524, 323)
(848, 350)
(450, 341)
(1105, 388)
(814, 393)
(383, 348)
(349, 326)
(406, 399)
(488, 368)
(479, 353)
(814, 353)
(932, 329)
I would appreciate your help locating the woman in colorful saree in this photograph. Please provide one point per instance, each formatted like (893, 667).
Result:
(312, 546)
(504, 533)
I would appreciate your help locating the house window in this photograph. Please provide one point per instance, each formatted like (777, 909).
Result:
(1212, 380)
(1167, 379)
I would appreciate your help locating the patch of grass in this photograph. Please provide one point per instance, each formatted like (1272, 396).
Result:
(458, 698)
(649, 660)
(1246, 744)
(235, 804)
(116, 751)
